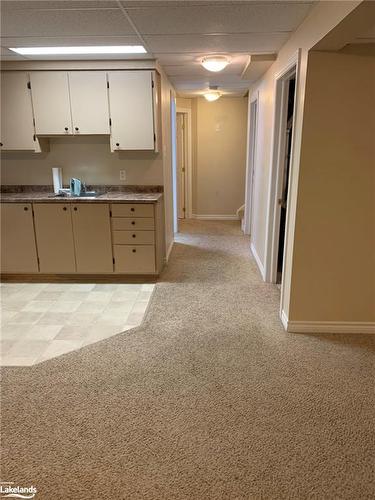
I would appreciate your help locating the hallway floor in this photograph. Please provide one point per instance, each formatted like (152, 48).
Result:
(207, 399)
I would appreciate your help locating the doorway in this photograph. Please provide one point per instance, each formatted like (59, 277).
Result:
(280, 178)
(181, 162)
(182, 170)
(250, 170)
(283, 200)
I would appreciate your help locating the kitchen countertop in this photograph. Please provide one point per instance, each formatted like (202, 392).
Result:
(24, 195)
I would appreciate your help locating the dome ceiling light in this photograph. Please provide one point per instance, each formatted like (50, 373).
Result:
(212, 96)
(215, 63)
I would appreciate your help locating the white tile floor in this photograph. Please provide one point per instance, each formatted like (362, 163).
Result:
(40, 321)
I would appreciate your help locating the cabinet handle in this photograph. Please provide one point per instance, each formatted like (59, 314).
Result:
(77, 128)
(134, 250)
(75, 209)
(134, 235)
(25, 208)
(132, 209)
(1, 144)
(117, 144)
(133, 222)
(64, 208)
(66, 129)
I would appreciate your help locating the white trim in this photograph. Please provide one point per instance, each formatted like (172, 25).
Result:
(251, 147)
(215, 217)
(257, 260)
(284, 320)
(169, 251)
(359, 327)
(189, 176)
(273, 211)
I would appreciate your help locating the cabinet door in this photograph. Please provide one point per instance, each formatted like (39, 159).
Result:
(54, 237)
(50, 95)
(131, 110)
(18, 249)
(89, 102)
(92, 238)
(17, 127)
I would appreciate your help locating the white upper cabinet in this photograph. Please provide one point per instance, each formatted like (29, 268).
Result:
(131, 106)
(89, 102)
(50, 94)
(17, 127)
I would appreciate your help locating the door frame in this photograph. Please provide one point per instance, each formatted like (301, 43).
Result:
(252, 141)
(188, 167)
(277, 167)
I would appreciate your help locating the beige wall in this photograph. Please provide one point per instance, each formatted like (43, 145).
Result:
(218, 154)
(322, 19)
(88, 158)
(333, 276)
(221, 155)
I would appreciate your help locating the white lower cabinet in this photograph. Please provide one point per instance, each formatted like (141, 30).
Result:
(18, 248)
(58, 238)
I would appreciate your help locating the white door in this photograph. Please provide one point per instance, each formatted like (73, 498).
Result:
(17, 127)
(89, 102)
(50, 94)
(131, 110)
(181, 165)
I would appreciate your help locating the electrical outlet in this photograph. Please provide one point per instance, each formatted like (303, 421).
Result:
(122, 175)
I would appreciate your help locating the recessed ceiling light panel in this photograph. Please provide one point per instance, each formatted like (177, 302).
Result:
(215, 63)
(108, 49)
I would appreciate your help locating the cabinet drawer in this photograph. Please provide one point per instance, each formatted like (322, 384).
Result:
(133, 237)
(137, 259)
(132, 210)
(127, 224)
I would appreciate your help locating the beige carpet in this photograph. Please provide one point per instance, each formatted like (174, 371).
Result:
(208, 399)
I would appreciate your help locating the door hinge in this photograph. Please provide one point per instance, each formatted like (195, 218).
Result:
(29, 85)
(154, 137)
(107, 85)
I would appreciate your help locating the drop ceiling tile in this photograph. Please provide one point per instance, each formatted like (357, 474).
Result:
(57, 4)
(35, 41)
(247, 43)
(224, 17)
(64, 23)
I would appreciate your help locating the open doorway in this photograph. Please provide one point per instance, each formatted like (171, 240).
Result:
(181, 162)
(282, 160)
(250, 167)
(283, 199)
(182, 171)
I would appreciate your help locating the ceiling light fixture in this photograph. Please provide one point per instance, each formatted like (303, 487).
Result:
(109, 49)
(215, 63)
(212, 96)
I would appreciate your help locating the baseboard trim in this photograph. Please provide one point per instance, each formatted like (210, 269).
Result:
(215, 217)
(258, 261)
(357, 327)
(169, 251)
